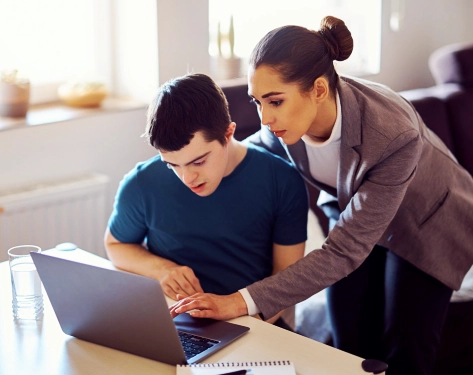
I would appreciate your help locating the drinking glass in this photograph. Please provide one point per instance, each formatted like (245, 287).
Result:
(27, 301)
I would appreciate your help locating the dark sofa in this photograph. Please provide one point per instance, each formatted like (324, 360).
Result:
(447, 109)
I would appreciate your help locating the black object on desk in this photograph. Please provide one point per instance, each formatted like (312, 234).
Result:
(374, 366)
(238, 372)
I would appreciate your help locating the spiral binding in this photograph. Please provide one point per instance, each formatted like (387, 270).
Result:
(239, 364)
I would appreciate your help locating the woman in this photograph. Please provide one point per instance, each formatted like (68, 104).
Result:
(403, 232)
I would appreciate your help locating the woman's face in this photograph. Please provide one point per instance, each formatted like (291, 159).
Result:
(282, 107)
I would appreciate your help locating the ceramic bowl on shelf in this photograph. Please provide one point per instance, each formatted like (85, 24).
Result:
(83, 94)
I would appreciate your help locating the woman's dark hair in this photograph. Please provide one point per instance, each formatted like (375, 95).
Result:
(184, 106)
(302, 55)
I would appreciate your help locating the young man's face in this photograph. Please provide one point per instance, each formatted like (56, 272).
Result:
(200, 165)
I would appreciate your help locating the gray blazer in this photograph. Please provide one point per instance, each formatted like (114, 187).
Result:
(398, 186)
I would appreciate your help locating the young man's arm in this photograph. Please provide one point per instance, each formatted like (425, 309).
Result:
(284, 256)
(174, 279)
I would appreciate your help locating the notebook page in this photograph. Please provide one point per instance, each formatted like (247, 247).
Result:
(257, 368)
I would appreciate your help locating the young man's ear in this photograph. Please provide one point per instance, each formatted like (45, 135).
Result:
(230, 132)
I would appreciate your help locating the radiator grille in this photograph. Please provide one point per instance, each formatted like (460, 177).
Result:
(48, 214)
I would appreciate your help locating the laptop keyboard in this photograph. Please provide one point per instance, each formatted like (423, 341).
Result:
(194, 345)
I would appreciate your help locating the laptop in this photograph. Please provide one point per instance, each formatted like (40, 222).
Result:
(127, 312)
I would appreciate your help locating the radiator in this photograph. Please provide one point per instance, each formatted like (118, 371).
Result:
(52, 213)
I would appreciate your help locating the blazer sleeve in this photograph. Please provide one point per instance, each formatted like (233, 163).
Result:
(360, 226)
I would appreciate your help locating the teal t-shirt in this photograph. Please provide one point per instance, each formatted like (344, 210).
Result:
(226, 237)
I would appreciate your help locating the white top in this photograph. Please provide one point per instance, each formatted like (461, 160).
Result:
(326, 154)
(250, 304)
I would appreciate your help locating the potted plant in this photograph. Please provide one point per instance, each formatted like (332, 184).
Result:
(14, 94)
(226, 65)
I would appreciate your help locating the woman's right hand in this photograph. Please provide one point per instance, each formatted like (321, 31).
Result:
(206, 305)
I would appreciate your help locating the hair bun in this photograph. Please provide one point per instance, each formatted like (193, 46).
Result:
(337, 37)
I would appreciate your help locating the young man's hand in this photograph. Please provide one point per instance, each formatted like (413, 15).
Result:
(179, 280)
(210, 306)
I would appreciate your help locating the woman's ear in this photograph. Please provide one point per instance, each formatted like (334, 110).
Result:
(321, 90)
(230, 132)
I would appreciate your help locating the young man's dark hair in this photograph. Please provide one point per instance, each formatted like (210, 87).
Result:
(181, 109)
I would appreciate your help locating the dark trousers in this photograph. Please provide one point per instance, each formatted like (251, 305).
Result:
(389, 310)
(282, 324)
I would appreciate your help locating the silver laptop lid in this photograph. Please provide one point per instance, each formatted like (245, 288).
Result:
(122, 311)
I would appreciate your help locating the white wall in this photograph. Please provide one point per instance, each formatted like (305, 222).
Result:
(134, 48)
(106, 143)
(183, 38)
(426, 26)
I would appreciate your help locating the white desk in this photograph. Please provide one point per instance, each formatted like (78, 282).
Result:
(40, 347)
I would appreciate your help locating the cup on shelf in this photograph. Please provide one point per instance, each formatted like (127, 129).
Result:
(27, 295)
(14, 94)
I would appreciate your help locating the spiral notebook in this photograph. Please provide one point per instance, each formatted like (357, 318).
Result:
(257, 368)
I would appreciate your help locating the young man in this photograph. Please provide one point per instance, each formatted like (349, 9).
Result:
(201, 216)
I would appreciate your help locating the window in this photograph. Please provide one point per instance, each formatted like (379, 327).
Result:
(253, 19)
(50, 42)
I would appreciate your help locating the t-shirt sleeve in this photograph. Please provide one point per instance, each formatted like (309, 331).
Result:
(127, 221)
(290, 226)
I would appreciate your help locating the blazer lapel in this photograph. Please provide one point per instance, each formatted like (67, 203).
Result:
(298, 156)
(351, 138)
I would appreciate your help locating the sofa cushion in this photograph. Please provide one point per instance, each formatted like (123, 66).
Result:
(460, 112)
(453, 64)
(242, 111)
(430, 106)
